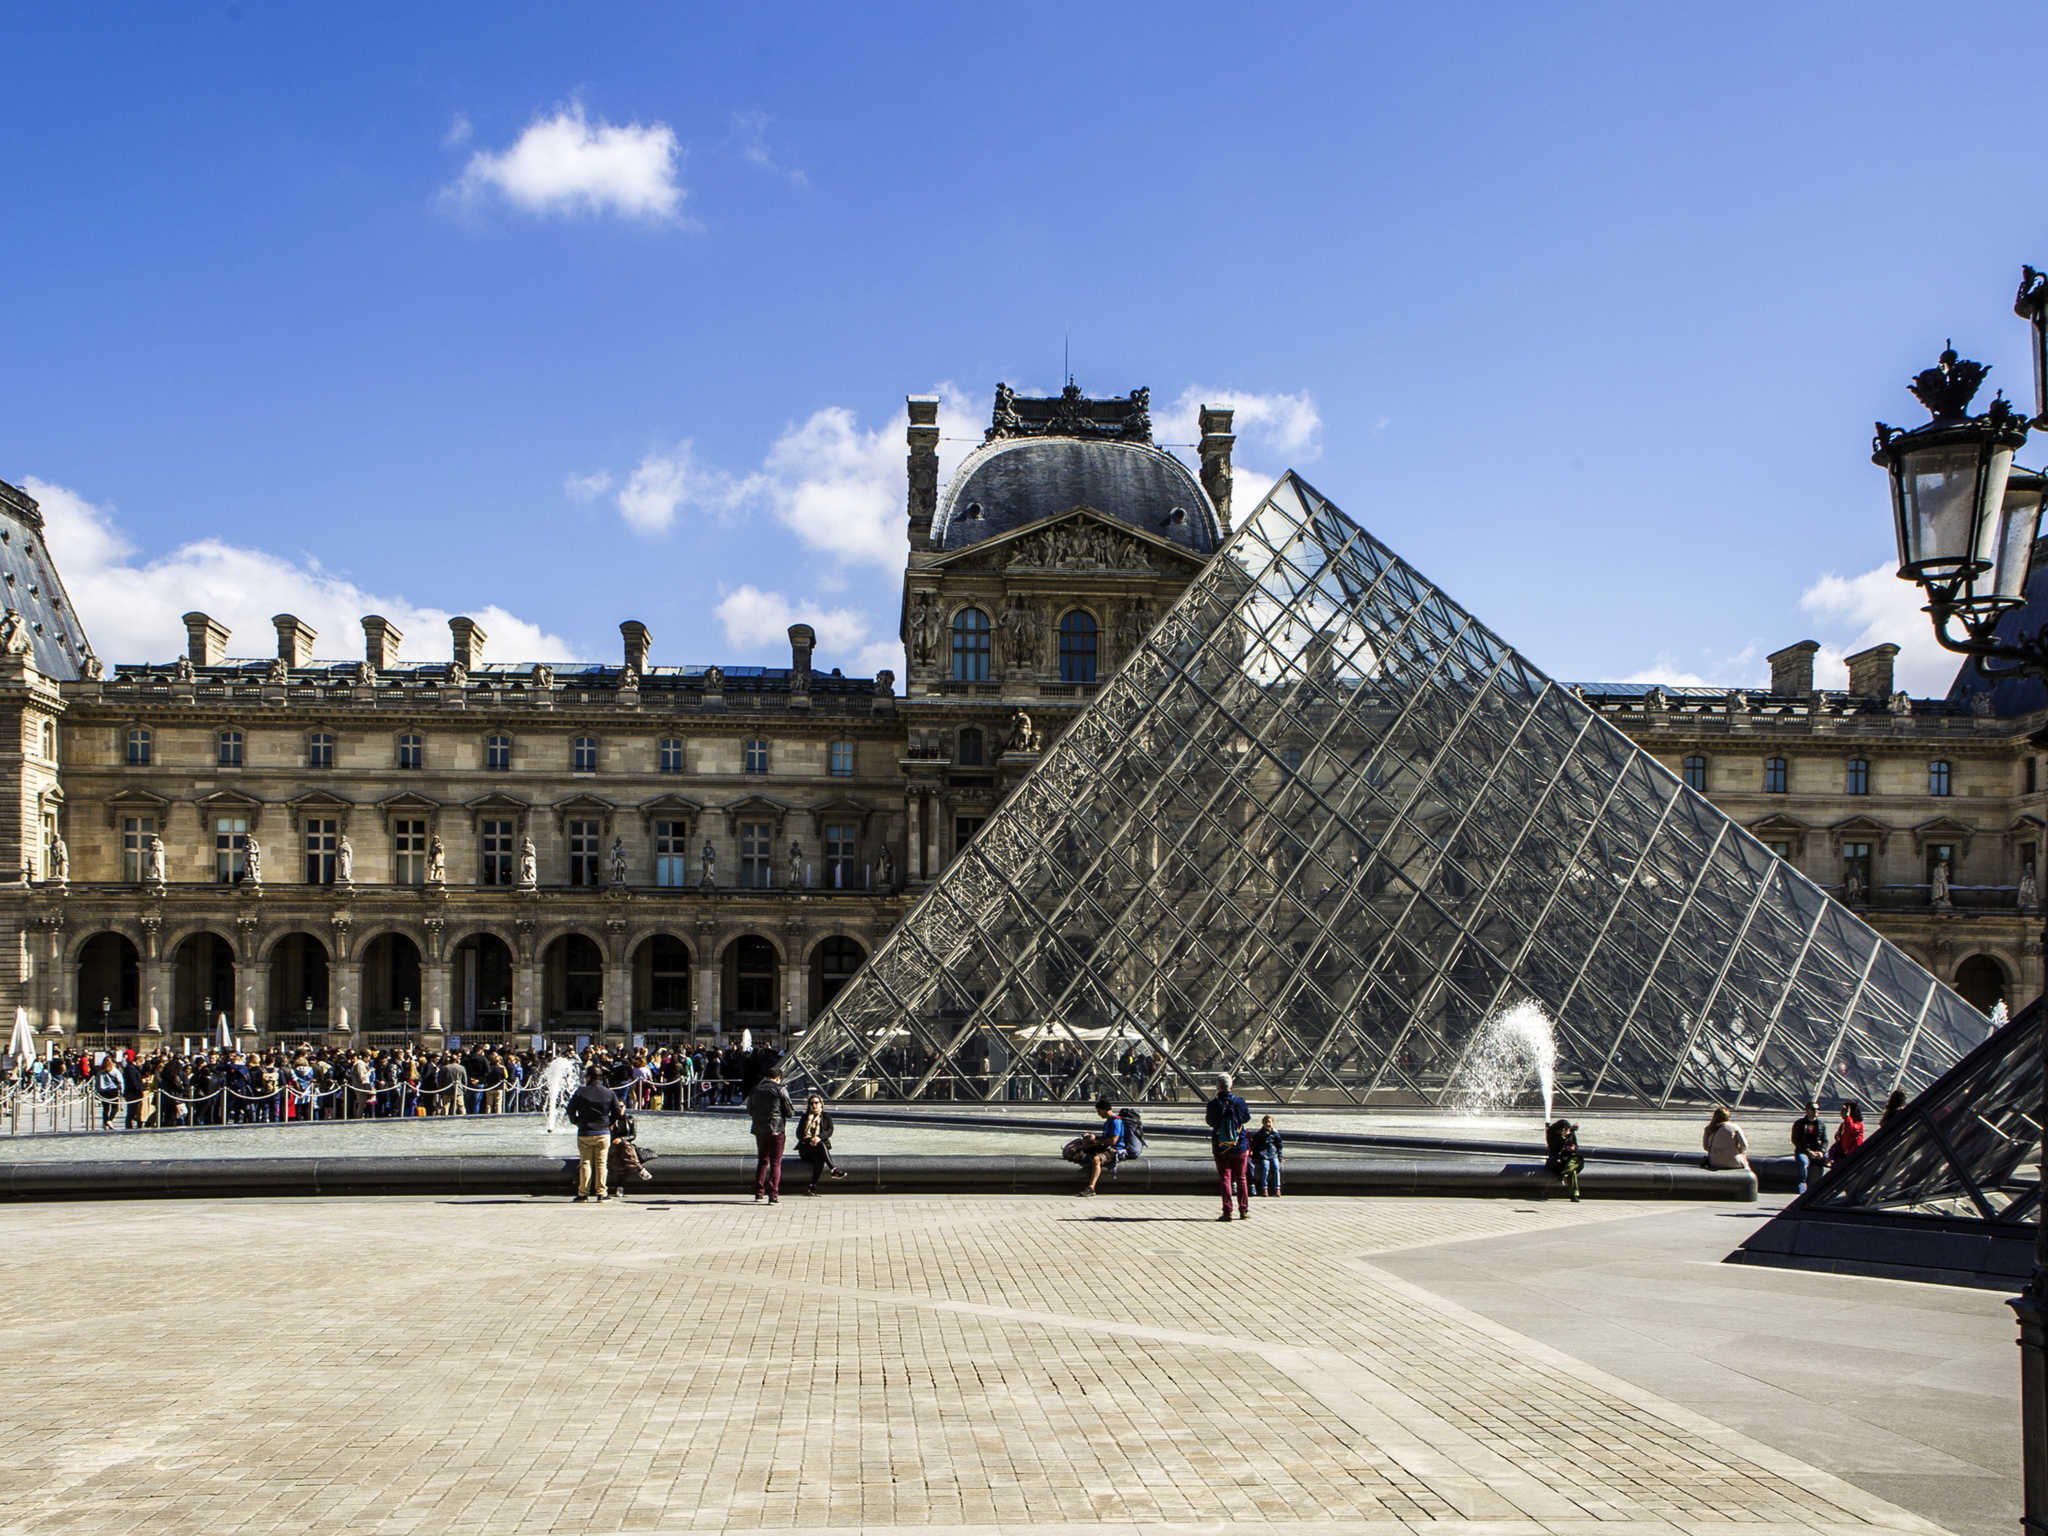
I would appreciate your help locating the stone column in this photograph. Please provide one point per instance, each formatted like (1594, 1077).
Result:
(57, 986)
(154, 1004)
(252, 983)
(434, 1003)
(618, 998)
(931, 835)
(526, 997)
(345, 996)
(913, 841)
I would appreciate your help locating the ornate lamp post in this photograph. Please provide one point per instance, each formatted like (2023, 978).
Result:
(1966, 524)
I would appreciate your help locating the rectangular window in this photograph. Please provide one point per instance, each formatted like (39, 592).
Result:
(1859, 776)
(1856, 870)
(584, 837)
(755, 758)
(136, 831)
(583, 755)
(320, 750)
(757, 855)
(672, 853)
(412, 752)
(841, 759)
(230, 749)
(964, 828)
(50, 741)
(320, 839)
(230, 848)
(498, 753)
(671, 756)
(49, 843)
(842, 838)
(1774, 776)
(1938, 778)
(2033, 772)
(972, 749)
(1782, 849)
(494, 850)
(138, 748)
(408, 852)
(1696, 774)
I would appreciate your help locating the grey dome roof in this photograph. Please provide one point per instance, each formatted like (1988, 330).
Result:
(1007, 485)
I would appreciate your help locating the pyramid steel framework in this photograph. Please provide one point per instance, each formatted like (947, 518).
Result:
(1318, 831)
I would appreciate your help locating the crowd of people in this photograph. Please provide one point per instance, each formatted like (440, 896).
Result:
(137, 1089)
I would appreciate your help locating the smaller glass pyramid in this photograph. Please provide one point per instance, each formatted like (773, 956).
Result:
(1969, 1148)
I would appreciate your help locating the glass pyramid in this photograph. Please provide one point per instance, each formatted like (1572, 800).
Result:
(1317, 831)
(1968, 1148)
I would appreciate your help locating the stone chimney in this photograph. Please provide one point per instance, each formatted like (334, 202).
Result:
(469, 643)
(1792, 668)
(294, 640)
(380, 641)
(924, 467)
(206, 640)
(1217, 441)
(637, 643)
(1870, 672)
(802, 641)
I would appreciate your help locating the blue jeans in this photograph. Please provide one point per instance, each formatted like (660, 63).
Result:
(1810, 1166)
(1265, 1173)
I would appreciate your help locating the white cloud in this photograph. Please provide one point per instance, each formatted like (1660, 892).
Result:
(132, 606)
(758, 622)
(585, 489)
(1877, 607)
(750, 133)
(1286, 426)
(565, 164)
(662, 484)
(459, 132)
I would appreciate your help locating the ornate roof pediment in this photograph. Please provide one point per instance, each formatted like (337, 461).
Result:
(757, 806)
(678, 807)
(1079, 539)
(136, 802)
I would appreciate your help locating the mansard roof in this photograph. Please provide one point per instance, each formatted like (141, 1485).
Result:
(1012, 482)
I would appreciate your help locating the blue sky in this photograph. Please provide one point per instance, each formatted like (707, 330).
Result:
(565, 315)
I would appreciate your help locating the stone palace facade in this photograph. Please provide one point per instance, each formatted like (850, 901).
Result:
(376, 849)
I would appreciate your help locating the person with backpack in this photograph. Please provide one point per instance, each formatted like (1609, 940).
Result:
(1100, 1149)
(1228, 1115)
(1268, 1148)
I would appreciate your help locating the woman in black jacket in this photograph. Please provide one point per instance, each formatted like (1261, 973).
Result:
(814, 1142)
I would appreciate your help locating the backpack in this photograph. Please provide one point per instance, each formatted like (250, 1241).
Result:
(1134, 1132)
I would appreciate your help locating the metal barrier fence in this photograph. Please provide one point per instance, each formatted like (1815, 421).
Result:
(70, 1106)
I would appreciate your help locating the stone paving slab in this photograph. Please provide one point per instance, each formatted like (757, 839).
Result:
(954, 1364)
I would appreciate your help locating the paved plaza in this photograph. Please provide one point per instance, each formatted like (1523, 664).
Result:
(946, 1363)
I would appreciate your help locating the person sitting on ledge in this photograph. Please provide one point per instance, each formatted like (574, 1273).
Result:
(1565, 1161)
(1725, 1145)
(1809, 1145)
(1100, 1149)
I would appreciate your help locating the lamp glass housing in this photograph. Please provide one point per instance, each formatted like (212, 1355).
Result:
(1948, 485)
(2019, 524)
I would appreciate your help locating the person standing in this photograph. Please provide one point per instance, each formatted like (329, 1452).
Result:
(814, 1141)
(131, 1092)
(591, 1109)
(769, 1108)
(1228, 1115)
(1809, 1145)
(1268, 1148)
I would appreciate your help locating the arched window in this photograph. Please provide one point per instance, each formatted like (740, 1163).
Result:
(1077, 647)
(1696, 773)
(970, 646)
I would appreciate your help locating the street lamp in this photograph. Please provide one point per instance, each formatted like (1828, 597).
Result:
(1966, 523)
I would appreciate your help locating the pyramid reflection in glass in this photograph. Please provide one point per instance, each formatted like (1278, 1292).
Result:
(1315, 831)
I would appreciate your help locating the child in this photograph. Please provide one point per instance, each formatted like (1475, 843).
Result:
(1267, 1147)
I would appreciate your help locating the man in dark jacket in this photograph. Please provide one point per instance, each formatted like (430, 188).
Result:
(131, 1093)
(591, 1109)
(1809, 1144)
(769, 1108)
(1228, 1115)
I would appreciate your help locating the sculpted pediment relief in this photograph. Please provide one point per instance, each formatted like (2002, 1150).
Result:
(1080, 540)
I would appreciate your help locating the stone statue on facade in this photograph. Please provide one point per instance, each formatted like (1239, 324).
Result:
(924, 629)
(2030, 891)
(279, 674)
(252, 860)
(13, 634)
(543, 675)
(92, 668)
(886, 865)
(885, 684)
(1852, 886)
(708, 863)
(344, 861)
(796, 862)
(618, 861)
(60, 860)
(629, 679)
(1023, 734)
(153, 870)
(1902, 703)
(529, 865)
(1020, 636)
(366, 675)
(1980, 704)
(437, 861)
(1937, 884)
(714, 679)
(458, 675)
(182, 669)
(1130, 628)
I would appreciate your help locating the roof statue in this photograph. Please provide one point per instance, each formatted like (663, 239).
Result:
(1071, 414)
(1319, 829)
